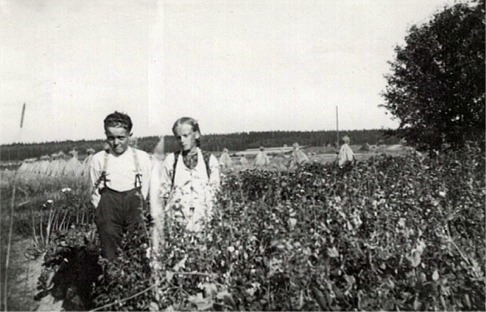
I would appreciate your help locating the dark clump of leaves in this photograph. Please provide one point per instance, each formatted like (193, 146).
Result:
(71, 269)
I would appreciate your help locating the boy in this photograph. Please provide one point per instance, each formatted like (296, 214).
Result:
(184, 185)
(120, 177)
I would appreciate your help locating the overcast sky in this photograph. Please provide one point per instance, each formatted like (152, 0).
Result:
(233, 65)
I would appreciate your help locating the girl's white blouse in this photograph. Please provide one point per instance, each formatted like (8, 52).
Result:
(193, 193)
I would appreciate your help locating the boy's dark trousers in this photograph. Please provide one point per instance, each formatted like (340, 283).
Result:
(117, 213)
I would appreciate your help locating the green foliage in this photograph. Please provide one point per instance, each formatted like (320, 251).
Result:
(393, 233)
(437, 81)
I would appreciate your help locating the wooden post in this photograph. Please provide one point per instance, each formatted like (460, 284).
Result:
(22, 116)
(337, 125)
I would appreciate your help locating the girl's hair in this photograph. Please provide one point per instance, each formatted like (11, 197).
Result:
(189, 121)
(118, 119)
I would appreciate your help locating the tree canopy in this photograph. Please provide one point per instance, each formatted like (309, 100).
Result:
(437, 81)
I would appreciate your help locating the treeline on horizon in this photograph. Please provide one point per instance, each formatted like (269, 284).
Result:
(210, 142)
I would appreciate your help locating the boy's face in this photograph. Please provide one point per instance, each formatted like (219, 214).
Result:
(117, 138)
(186, 137)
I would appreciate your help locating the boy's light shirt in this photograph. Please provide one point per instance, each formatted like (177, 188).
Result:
(192, 188)
(121, 171)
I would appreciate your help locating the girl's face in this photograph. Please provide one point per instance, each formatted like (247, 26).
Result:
(186, 137)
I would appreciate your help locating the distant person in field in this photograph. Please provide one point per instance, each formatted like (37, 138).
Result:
(225, 160)
(184, 186)
(120, 177)
(346, 154)
(262, 159)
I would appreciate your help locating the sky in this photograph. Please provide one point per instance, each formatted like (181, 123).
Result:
(235, 66)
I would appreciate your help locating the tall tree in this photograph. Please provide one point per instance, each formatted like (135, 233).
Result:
(437, 81)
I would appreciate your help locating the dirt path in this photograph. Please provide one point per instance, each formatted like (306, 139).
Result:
(22, 286)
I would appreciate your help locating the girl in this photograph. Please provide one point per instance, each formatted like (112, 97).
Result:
(183, 187)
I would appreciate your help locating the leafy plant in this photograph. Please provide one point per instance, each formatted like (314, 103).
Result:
(393, 233)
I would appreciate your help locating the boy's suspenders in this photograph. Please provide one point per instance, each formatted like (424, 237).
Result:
(138, 172)
(103, 178)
